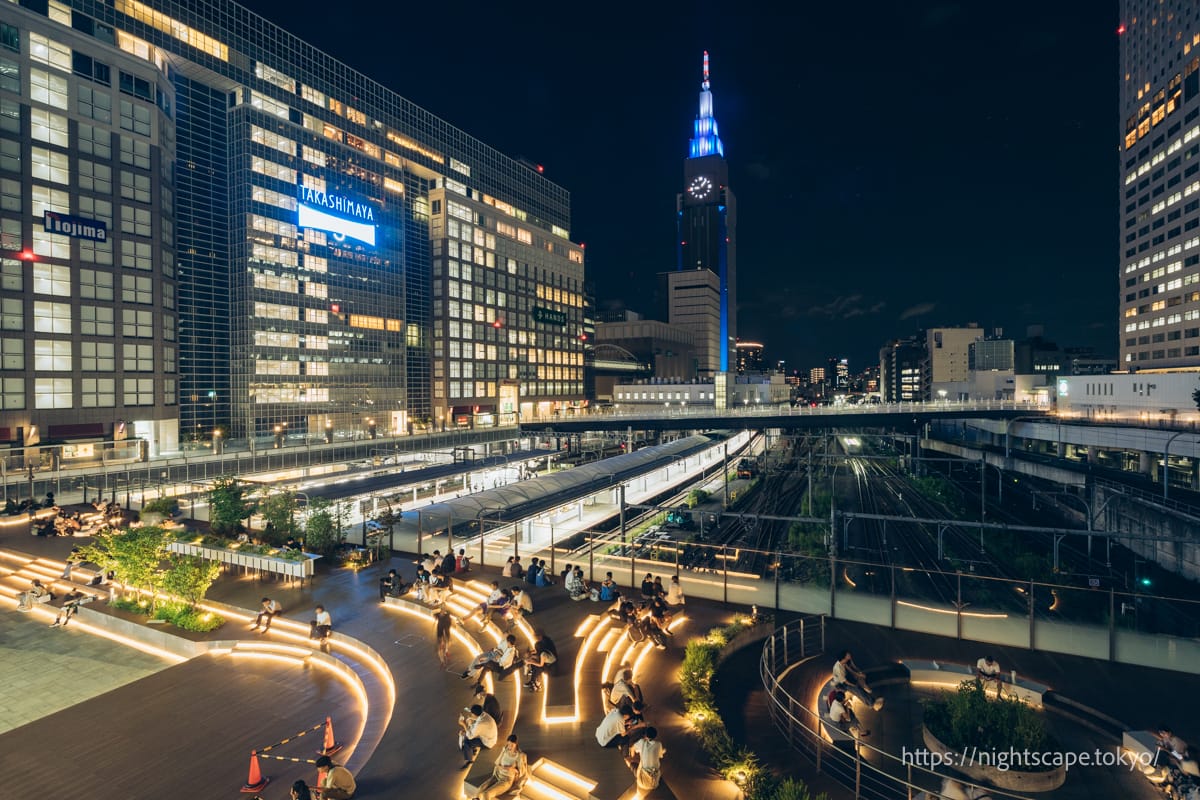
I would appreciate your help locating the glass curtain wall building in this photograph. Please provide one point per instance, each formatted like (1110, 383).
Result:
(287, 231)
(1160, 209)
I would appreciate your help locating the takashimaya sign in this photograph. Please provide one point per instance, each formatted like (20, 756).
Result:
(344, 217)
(75, 227)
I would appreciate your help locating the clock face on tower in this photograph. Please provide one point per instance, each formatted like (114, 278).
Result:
(700, 187)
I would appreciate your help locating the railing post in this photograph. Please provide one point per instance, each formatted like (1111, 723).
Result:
(1112, 624)
(1032, 622)
(892, 570)
(785, 642)
(778, 564)
(857, 772)
(725, 571)
(958, 606)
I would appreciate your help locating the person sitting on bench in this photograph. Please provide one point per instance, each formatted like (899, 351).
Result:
(498, 660)
(841, 715)
(36, 593)
(987, 672)
(72, 601)
(848, 677)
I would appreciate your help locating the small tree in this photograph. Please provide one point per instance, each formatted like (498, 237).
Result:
(323, 528)
(228, 505)
(134, 555)
(166, 506)
(190, 577)
(279, 511)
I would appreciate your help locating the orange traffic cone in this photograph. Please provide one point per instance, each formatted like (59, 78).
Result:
(331, 745)
(255, 782)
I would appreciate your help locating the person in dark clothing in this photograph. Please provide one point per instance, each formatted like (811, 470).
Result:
(543, 656)
(389, 585)
(449, 563)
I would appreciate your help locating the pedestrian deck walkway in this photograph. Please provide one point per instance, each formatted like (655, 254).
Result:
(194, 724)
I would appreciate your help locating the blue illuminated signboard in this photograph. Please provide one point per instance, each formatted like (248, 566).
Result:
(75, 227)
(341, 216)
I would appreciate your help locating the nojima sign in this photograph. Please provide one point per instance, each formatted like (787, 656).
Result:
(75, 227)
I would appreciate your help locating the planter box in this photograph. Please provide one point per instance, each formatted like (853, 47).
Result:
(1012, 780)
(278, 566)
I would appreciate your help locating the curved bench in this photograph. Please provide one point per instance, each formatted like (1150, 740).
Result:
(949, 675)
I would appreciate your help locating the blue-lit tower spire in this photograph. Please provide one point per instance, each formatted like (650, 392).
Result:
(706, 219)
(706, 141)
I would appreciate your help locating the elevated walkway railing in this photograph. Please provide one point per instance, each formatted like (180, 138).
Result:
(870, 773)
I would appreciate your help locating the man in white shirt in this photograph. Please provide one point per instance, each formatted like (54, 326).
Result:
(842, 715)
(521, 605)
(479, 730)
(268, 610)
(624, 690)
(322, 626)
(645, 759)
(612, 727)
(987, 671)
(494, 600)
(849, 678)
(498, 660)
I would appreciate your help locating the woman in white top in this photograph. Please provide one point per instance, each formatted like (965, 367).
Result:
(674, 592)
(645, 759)
(512, 766)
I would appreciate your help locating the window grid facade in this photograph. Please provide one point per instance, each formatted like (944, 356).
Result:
(1159, 185)
(239, 114)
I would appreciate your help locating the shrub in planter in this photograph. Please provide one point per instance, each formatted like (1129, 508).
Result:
(189, 619)
(966, 718)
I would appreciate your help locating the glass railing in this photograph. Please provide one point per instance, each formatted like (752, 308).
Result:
(1100, 623)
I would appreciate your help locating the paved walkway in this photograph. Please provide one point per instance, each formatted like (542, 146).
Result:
(43, 670)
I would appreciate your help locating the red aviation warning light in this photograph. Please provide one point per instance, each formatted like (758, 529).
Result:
(1121, 29)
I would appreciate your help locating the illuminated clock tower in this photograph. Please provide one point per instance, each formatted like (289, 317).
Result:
(706, 216)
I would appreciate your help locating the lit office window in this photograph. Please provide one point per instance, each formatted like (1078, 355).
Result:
(97, 357)
(98, 392)
(51, 279)
(53, 393)
(139, 391)
(52, 355)
(12, 354)
(51, 317)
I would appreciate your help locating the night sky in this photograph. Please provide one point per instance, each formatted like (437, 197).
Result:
(897, 165)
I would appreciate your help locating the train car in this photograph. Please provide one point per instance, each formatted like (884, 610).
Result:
(747, 468)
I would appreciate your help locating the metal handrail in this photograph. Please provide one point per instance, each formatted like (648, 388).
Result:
(801, 725)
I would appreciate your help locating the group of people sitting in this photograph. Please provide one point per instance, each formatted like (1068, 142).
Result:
(625, 726)
(479, 728)
(505, 606)
(849, 681)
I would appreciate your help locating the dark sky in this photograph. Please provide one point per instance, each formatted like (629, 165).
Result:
(897, 165)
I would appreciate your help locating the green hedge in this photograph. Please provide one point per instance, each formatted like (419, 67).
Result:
(966, 718)
(734, 762)
(178, 614)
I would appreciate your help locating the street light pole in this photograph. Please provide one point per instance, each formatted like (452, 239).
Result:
(1166, 462)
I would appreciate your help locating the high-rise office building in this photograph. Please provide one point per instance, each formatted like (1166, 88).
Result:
(1159, 302)
(750, 357)
(706, 219)
(211, 225)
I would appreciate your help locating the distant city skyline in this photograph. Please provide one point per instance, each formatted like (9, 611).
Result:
(931, 164)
